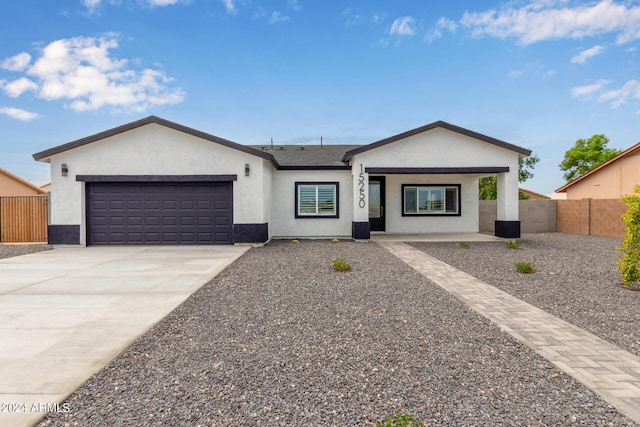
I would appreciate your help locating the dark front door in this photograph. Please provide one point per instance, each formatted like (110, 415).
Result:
(376, 203)
(122, 213)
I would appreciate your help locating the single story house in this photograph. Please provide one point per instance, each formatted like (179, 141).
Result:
(611, 180)
(158, 182)
(13, 185)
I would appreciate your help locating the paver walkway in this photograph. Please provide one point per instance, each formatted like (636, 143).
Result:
(609, 371)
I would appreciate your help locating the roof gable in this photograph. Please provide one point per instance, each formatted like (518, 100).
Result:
(45, 155)
(627, 153)
(434, 125)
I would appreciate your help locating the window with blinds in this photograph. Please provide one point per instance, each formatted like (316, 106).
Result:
(317, 199)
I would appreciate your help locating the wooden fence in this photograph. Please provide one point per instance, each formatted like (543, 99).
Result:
(23, 219)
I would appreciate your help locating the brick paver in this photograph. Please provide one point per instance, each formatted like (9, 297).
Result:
(609, 371)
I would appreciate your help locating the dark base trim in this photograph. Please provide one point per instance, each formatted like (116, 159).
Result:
(360, 230)
(64, 234)
(250, 233)
(508, 229)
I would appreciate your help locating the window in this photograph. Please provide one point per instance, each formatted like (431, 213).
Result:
(316, 200)
(430, 199)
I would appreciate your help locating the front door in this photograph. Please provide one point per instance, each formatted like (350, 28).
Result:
(376, 203)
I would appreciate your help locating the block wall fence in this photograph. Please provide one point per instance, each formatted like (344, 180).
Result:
(597, 217)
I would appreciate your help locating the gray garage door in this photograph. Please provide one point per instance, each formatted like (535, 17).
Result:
(159, 213)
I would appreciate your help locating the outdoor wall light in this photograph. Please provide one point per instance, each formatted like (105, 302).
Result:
(65, 170)
(246, 169)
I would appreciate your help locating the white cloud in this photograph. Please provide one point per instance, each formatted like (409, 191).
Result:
(81, 71)
(353, 17)
(277, 17)
(442, 24)
(18, 114)
(587, 54)
(550, 20)
(628, 92)
(579, 91)
(91, 5)
(514, 74)
(17, 87)
(230, 6)
(294, 4)
(163, 2)
(18, 62)
(402, 27)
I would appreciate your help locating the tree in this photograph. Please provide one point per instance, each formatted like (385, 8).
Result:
(489, 186)
(586, 155)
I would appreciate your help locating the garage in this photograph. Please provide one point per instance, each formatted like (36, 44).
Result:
(159, 213)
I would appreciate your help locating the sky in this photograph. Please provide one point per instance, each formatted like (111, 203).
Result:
(540, 74)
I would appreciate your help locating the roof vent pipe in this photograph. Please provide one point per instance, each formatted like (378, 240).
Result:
(272, 143)
(321, 143)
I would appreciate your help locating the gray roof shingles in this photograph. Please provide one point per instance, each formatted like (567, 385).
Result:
(301, 156)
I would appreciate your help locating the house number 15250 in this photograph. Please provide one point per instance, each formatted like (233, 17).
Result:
(361, 202)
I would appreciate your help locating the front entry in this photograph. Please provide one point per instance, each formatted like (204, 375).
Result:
(376, 203)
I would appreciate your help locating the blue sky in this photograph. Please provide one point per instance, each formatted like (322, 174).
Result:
(540, 74)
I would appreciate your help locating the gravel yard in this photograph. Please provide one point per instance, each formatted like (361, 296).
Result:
(8, 251)
(576, 279)
(280, 339)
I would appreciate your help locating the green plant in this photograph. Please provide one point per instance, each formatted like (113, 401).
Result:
(340, 264)
(335, 241)
(525, 267)
(629, 264)
(401, 420)
(295, 241)
(464, 245)
(513, 244)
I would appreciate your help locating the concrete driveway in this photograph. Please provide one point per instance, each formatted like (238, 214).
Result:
(65, 313)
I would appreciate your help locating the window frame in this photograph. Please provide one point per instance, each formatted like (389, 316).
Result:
(317, 184)
(442, 187)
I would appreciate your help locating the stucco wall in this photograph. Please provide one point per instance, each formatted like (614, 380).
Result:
(155, 150)
(283, 222)
(11, 187)
(442, 148)
(611, 182)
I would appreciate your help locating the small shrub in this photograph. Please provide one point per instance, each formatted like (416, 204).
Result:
(295, 241)
(464, 245)
(525, 267)
(340, 264)
(513, 244)
(629, 264)
(401, 420)
(335, 241)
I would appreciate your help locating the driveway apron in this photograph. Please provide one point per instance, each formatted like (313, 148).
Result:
(605, 368)
(65, 313)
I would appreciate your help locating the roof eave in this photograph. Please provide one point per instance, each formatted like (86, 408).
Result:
(47, 154)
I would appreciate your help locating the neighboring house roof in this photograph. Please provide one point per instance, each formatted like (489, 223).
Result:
(434, 125)
(629, 152)
(533, 195)
(45, 155)
(26, 183)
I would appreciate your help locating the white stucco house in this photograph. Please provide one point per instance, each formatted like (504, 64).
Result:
(158, 182)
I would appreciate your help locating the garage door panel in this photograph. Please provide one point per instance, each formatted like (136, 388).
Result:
(159, 213)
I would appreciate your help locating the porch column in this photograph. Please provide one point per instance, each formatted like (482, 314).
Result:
(507, 223)
(360, 228)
